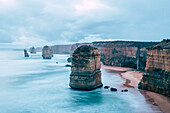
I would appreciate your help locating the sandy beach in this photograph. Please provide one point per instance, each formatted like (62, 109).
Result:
(133, 77)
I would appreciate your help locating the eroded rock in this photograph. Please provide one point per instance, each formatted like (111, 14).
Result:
(32, 50)
(47, 52)
(26, 53)
(85, 69)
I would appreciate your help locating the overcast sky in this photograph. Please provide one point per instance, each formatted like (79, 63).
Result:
(38, 22)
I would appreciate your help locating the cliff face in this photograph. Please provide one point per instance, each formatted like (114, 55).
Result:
(123, 53)
(47, 52)
(85, 69)
(61, 49)
(157, 76)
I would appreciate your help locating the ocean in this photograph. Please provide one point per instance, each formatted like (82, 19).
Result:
(35, 85)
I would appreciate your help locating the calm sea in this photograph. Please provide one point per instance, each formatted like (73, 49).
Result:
(34, 85)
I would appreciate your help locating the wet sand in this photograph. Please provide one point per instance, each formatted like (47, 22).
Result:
(133, 77)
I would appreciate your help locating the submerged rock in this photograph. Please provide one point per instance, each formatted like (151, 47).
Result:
(106, 87)
(47, 52)
(67, 65)
(32, 50)
(85, 70)
(26, 53)
(113, 89)
(125, 90)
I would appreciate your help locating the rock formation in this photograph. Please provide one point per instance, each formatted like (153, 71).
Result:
(32, 50)
(157, 76)
(26, 53)
(85, 69)
(47, 52)
(69, 59)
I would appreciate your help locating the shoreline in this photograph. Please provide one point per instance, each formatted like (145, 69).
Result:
(132, 78)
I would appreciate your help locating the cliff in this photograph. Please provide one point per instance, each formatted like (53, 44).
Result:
(61, 49)
(123, 53)
(157, 76)
(85, 69)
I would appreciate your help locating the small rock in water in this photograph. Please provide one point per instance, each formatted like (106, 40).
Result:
(106, 87)
(69, 59)
(56, 62)
(125, 90)
(113, 89)
(67, 65)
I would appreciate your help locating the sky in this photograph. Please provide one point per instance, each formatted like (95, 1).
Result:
(48, 22)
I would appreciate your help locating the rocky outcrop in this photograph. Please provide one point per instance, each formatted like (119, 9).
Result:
(26, 53)
(157, 72)
(47, 52)
(85, 69)
(32, 50)
(69, 59)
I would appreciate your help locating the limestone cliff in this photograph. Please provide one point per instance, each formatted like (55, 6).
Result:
(85, 69)
(157, 76)
(61, 49)
(47, 52)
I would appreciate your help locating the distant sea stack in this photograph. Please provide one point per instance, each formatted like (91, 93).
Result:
(47, 52)
(32, 50)
(85, 69)
(26, 53)
(157, 76)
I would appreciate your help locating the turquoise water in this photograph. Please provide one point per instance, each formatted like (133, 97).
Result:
(34, 85)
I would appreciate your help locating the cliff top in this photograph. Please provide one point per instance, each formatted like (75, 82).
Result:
(86, 50)
(165, 44)
(124, 43)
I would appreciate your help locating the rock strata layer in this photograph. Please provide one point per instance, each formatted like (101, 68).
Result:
(32, 50)
(157, 76)
(47, 52)
(85, 69)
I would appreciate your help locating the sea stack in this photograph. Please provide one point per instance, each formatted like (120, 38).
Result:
(47, 52)
(26, 53)
(157, 72)
(85, 68)
(32, 50)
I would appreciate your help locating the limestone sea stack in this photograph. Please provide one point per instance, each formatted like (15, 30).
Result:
(85, 68)
(32, 50)
(26, 53)
(157, 75)
(47, 52)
